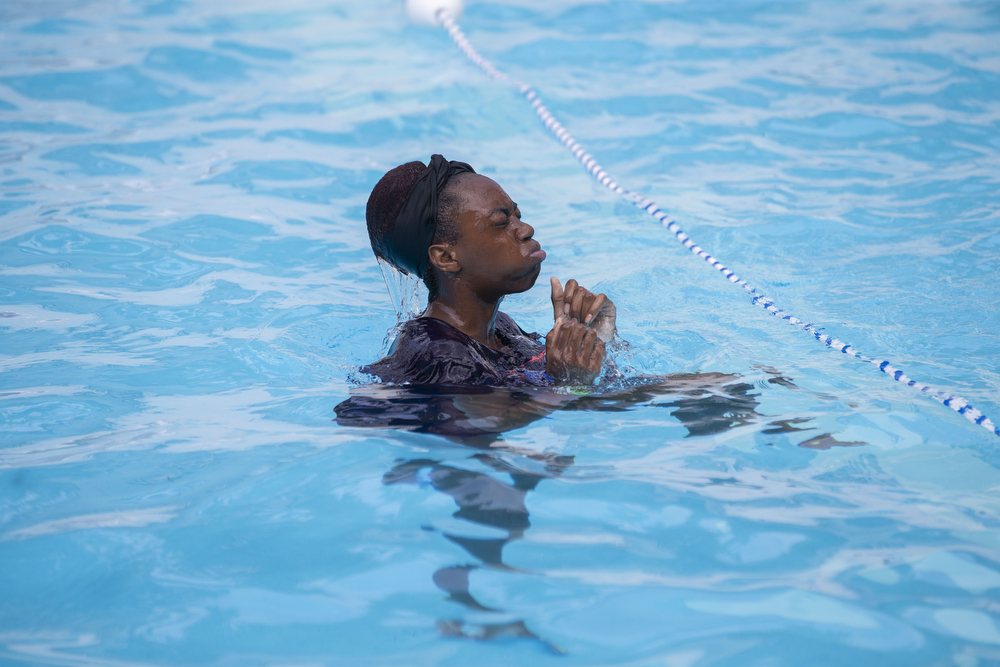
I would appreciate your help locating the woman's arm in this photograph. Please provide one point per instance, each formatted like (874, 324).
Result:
(576, 302)
(573, 353)
(584, 322)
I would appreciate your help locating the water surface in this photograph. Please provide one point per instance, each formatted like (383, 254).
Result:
(186, 291)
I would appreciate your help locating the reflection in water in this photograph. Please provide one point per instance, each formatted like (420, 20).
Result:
(704, 403)
(487, 501)
(826, 441)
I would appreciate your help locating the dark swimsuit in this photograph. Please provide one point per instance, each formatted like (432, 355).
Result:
(442, 369)
(429, 351)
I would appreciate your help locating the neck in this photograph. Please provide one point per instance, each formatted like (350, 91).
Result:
(467, 311)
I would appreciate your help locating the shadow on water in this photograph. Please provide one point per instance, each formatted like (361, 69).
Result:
(705, 403)
(476, 416)
(486, 501)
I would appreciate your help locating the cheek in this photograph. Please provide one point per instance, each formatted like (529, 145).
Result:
(496, 255)
(499, 249)
(482, 259)
(514, 246)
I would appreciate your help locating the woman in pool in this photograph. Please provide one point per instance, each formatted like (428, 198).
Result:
(463, 235)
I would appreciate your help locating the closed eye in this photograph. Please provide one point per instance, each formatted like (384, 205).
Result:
(506, 214)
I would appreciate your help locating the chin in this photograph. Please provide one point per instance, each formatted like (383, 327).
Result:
(528, 281)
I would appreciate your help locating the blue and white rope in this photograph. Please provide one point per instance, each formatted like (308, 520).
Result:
(956, 403)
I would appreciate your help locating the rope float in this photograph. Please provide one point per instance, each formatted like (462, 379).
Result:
(442, 10)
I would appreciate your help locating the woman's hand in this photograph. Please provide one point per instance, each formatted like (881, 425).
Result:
(573, 353)
(595, 311)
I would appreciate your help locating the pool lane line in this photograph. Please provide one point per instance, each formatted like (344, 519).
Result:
(956, 403)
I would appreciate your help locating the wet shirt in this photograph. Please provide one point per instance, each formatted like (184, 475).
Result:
(429, 351)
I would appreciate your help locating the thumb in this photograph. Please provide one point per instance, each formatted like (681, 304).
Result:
(558, 307)
(553, 335)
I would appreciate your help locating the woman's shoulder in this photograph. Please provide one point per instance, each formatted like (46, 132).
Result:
(439, 328)
(506, 325)
(430, 339)
(427, 334)
(425, 330)
(506, 321)
(429, 351)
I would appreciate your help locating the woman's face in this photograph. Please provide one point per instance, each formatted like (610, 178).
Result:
(496, 250)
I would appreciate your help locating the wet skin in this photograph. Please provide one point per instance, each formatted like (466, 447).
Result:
(496, 254)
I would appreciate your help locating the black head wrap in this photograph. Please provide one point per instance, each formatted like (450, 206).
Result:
(413, 233)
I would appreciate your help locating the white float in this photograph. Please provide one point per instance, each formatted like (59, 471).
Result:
(424, 12)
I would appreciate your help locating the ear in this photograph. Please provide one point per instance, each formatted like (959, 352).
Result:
(445, 258)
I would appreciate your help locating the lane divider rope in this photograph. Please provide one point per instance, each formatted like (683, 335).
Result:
(956, 403)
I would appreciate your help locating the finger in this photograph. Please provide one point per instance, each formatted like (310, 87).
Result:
(557, 332)
(578, 296)
(554, 358)
(563, 335)
(576, 344)
(595, 308)
(587, 347)
(597, 358)
(588, 297)
(587, 310)
(558, 305)
(571, 286)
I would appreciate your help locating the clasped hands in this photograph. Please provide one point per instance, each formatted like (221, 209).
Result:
(584, 322)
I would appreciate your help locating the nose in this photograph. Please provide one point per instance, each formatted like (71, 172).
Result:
(525, 232)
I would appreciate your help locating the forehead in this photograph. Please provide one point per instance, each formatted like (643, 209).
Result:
(481, 193)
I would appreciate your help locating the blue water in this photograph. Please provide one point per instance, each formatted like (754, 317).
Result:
(186, 287)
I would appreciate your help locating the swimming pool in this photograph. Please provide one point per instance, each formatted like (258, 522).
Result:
(186, 288)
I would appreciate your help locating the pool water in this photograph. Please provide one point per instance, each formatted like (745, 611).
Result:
(187, 290)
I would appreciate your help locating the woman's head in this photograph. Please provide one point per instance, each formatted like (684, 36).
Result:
(477, 236)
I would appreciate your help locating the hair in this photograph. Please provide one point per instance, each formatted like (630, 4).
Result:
(387, 199)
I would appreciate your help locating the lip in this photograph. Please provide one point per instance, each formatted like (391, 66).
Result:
(538, 255)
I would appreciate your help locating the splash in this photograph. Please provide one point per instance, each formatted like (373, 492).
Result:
(408, 296)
